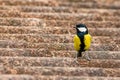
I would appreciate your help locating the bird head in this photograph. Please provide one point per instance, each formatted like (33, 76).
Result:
(81, 28)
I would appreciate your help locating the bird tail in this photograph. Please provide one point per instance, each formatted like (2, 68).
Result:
(79, 54)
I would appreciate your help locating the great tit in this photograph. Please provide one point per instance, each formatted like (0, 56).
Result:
(82, 40)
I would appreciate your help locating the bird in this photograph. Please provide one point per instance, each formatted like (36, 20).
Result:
(82, 40)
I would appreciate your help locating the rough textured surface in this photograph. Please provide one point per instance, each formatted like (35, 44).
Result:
(36, 39)
(62, 71)
(63, 62)
(39, 77)
(61, 38)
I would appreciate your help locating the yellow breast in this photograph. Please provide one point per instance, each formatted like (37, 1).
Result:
(87, 41)
(77, 42)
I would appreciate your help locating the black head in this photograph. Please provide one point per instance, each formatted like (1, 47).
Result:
(81, 28)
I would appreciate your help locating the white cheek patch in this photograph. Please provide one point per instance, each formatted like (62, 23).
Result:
(82, 29)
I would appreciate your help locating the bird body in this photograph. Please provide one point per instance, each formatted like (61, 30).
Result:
(82, 39)
(77, 42)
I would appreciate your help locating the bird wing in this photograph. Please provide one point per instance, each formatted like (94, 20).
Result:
(76, 43)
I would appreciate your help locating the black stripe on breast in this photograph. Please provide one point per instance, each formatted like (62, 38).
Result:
(82, 45)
